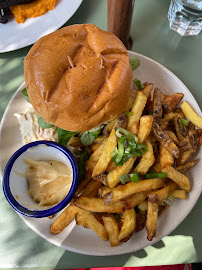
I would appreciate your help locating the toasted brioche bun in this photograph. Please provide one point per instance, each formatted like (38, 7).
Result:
(78, 77)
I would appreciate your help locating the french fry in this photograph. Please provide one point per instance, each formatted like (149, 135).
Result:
(191, 114)
(82, 185)
(102, 137)
(91, 162)
(113, 176)
(146, 161)
(106, 155)
(91, 190)
(166, 159)
(157, 108)
(121, 122)
(137, 109)
(152, 219)
(112, 165)
(94, 147)
(179, 112)
(185, 156)
(148, 89)
(103, 190)
(172, 137)
(144, 128)
(135, 199)
(167, 118)
(97, 205)
(102, 178)
(149, 106)
(199, 140)
(128, 227)
(124, 191)
(199, 136)
(86, 219)
(99, 216)
(157, 166)
(159, 195)
(108, 128)
(185, 167)
(178, 178)
(143, 206)
(165, 140)
(163, 96)
(179, 194)
(112, 229)
(98, 141)
(153, 140)
(64, 219)
(193, 139)
(170, 102)
(100, 195)
(182, 134)
(190, 126)
(75, 142)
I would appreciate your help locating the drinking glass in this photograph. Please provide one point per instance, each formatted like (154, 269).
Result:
(185, 16)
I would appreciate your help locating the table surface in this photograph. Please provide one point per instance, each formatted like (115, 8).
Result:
(19, 245)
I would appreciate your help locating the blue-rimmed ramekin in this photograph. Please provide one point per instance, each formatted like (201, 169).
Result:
(15, 185)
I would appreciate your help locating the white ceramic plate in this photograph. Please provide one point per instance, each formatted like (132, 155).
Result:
(76, 238)
(15, 36)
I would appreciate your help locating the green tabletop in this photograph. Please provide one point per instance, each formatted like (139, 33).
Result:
(19, 245)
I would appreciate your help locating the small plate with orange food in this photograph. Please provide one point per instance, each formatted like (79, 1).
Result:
(29, 22)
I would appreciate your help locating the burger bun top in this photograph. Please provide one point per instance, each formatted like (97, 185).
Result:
(78, 77)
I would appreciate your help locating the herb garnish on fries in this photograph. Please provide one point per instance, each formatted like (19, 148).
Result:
(134, 163)
(128, 147)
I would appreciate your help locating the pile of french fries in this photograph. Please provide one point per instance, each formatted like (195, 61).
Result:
(115, 211)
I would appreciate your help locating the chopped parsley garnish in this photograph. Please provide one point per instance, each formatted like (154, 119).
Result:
(128, 113)
(170, 200)
(127, 147)
(133, 177)
(155, 175)
(89, 136)
(24, 92)
(138, 83)
(42, 123)
(134, 62)
(64, 136)
(184, 122)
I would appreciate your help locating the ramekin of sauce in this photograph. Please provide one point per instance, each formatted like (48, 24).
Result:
(40, 179)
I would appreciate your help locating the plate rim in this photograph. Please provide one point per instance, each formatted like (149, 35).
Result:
(76, 250)
(40, 35)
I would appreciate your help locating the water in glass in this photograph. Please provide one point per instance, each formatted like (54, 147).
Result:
(185, 16)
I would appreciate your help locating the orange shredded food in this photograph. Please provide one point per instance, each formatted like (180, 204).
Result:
(34, 9)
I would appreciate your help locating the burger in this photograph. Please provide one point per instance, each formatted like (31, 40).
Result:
(78, 77)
